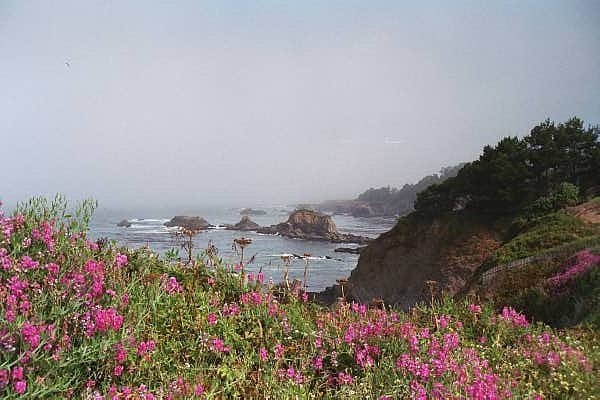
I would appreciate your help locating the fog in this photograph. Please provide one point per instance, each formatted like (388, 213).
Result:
(243, 103)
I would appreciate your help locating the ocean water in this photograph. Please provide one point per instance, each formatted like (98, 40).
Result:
(147, 229)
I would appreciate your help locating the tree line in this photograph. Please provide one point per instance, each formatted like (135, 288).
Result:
(553, 162)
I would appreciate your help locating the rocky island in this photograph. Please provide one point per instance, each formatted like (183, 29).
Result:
(188, 222)
(124, 223)
(245, 224)
(312, 225)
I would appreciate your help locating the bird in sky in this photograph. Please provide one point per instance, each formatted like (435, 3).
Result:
(68, 64)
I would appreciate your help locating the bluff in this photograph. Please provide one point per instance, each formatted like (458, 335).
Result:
(311, 225)
(396, 266)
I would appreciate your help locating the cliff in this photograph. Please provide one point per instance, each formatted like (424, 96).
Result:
(397, 265)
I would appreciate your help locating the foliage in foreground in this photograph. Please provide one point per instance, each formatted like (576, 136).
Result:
(84, 319)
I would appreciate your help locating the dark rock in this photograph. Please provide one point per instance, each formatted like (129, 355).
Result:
(245, 224)
(311, 225)
(351, 250)
(124, 223)
(187, 222)
(250, 211)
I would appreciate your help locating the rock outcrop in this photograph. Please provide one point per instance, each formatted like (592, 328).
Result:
(396, 266)
(188, 222)
(312, 225)
(245, 224)
(251, 211)
(351, 250)
(124, 223)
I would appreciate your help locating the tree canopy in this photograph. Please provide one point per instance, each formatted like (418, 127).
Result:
(516, 172)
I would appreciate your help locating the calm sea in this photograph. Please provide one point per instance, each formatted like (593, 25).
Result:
(325, 265)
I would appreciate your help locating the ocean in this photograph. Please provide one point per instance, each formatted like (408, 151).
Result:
(325, 265)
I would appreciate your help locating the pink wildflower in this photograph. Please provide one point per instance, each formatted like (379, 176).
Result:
(20, 386)
(118, 370)
(121, 260)
(212, 319)
(263, 354)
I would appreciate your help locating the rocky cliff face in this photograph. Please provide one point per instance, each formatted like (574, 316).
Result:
(396, 266)
(311, 225)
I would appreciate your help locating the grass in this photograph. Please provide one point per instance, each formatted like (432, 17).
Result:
(556, 232)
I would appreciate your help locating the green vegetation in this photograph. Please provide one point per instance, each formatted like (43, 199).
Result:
(563, 291)
(90, 320)
(518, 172)
(550, 233)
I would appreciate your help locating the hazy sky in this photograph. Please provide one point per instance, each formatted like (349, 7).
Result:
(238, 102)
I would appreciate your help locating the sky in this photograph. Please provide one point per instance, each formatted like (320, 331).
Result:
(140, 103)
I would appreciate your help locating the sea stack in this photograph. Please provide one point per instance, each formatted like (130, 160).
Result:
(188, 222)
(312, 225)
(245, 224)
(124, 223)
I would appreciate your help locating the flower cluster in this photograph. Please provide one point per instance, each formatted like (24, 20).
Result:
(83, 320)
(585, 260)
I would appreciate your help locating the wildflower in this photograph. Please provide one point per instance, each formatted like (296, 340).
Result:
(256, 298)
(145, 347)
(27, 263)
(17, 373)
(3, 378)
(118, 370)
(120, 353)
(516, 319)
(318, 363)
(30, 334)
(171, 286)
(344, 379)
(263, 354)
(124, 300)
(475, 309)
(20, 386)
(212, 319)
(120, 260)
(198, 390)
(278, 350)
(218, 346)
(106, 319)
